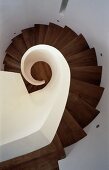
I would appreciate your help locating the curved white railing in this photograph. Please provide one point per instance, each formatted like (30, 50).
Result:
(30, 121)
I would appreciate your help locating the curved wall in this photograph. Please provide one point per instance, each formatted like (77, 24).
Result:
(91, 19)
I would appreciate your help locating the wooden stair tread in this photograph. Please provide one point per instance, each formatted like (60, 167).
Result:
(42, 164)
(11, 69)
(42, 29)
(13, 52)
(84, 58)
(52, 33)
(10, 62)
(54, 151)
(81, 110)
(66, 35)
(41, 71)
(10, 58)
(36, 33)
(29, 36)
(90, 74)
(69, 130)
(75, 46)
(19, 43)
(86, 91)
(59, 147)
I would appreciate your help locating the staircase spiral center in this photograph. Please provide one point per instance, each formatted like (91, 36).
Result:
(41, 71)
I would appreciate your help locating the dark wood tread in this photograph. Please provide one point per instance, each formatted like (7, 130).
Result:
(19, 44)
(90, 74)
(10, 62)
(11, 69)
(43, 156)
(69, 130)
(66, 35)
(14, 53)
(28, 36)
(81, 110)
(75, 46)
(86, 91)
(52, 33)
(42, 164)
(42, 29)
(84, 58)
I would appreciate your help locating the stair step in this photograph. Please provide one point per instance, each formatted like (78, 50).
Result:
(42, 157)
(8, 57)
(11, 69)
(14, 53)
(41, 71)
(81, 110)
(90, 74)
(19, 44)
(29, 36)
(42, 32)
(65, 36)
(41, 164)
(59, 147)
(52, 33)
(69, 130)
(84, 58)
(75, 46)
(36, 34)
(10, 62)
(86, 91)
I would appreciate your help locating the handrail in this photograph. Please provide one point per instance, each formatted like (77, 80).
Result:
(34, 120)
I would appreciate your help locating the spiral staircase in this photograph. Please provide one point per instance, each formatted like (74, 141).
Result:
(84, 95)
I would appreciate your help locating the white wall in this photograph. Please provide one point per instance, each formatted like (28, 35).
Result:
(89, 17)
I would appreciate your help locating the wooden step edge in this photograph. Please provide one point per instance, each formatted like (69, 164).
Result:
(76, 40)
(91, 114)
(13, 52)
(10, 58)
(45, 163)
(99, 68)
(53, 24)
(85, 58)
(89, 92)
(53, 29)
(59, 147)
(11, 46)
(69, 130)
(15, 66)
(48, 152)
(16, 43)
(90, 74)
(27, 29)
(9, 69)
(29, 37)
(86, 83)
(68, 31)
(69, 117)
(35, 25)
(10, 62)
(19, 35)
